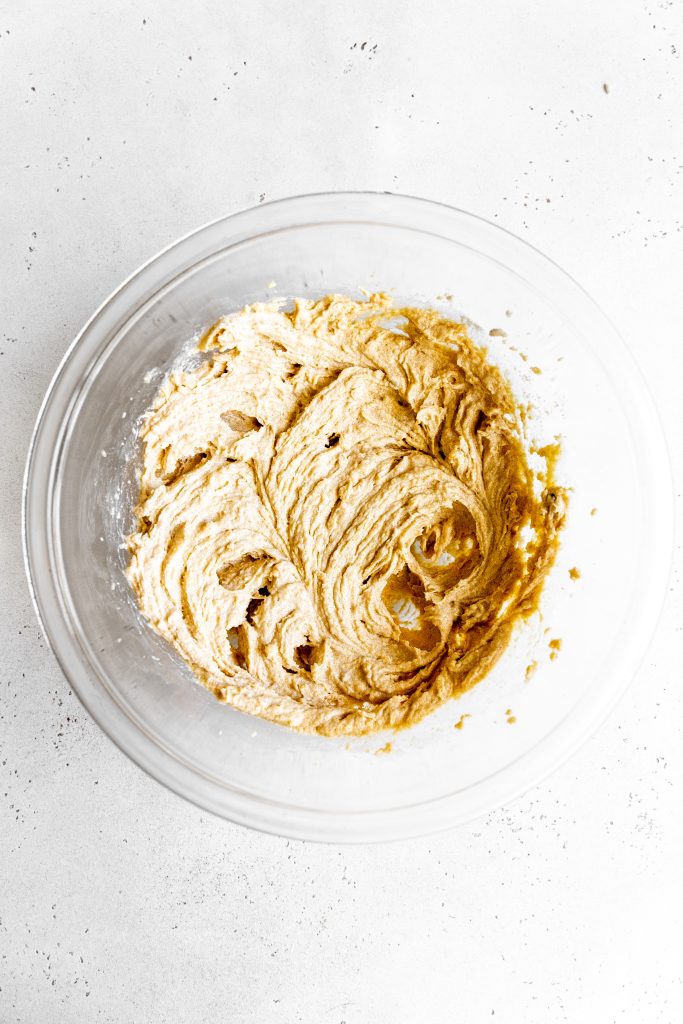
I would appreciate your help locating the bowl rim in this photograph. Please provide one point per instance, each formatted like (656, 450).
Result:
(435, 814)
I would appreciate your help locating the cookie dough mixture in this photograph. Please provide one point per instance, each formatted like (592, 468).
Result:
(338, 524)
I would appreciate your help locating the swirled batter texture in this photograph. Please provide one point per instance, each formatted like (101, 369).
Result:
(338, 524)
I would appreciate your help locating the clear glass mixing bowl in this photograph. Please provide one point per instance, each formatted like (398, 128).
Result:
(81, 486)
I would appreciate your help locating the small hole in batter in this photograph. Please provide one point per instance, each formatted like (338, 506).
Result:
(292, 373)
(240, 422)
(234, 641)
(303, 655)
(252, 608)
(183, 466)
(481, 422)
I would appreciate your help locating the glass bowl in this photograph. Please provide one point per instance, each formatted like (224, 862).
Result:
(81, 486)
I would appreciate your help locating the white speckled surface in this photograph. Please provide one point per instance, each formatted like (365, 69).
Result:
(124, 126)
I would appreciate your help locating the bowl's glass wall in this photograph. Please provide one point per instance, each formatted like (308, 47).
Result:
(146, 697)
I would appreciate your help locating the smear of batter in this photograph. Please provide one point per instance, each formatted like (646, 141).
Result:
(338, 526)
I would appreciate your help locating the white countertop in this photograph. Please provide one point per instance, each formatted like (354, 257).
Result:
(124, 126)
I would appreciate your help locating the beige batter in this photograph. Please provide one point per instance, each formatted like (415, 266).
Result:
(337, 526)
